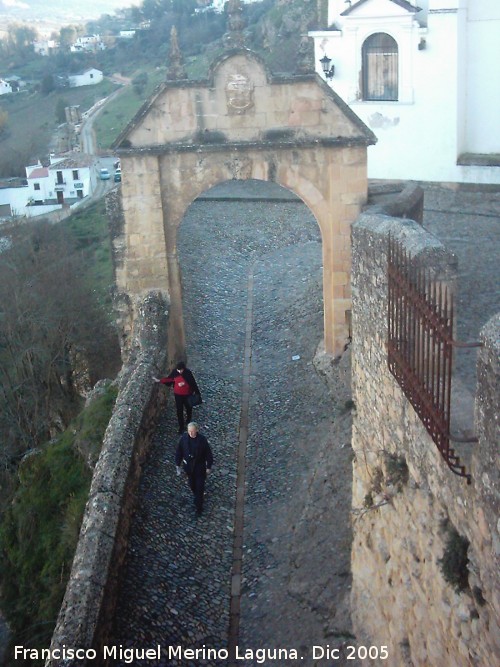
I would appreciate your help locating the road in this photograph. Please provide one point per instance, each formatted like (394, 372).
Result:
(88, 145)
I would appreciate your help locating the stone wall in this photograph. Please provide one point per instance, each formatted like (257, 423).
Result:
(90, 598)
(400, 202)
(406, 502)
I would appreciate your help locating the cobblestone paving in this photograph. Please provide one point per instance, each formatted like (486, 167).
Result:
(176, 586)
(468, 223)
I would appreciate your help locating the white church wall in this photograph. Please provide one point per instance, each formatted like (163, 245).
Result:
(448, 88)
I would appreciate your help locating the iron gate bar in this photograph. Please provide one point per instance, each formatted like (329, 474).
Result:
(420, 346)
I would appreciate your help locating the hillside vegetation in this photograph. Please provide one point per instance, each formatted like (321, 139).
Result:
(56, 341)
(39, 530)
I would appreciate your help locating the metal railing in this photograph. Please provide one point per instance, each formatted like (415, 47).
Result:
(420, 347)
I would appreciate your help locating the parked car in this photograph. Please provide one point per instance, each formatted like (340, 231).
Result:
(118, 176)
(116, 164)
(104, 175)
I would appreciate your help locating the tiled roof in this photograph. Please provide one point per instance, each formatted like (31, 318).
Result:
(39, 172)
(77, 161)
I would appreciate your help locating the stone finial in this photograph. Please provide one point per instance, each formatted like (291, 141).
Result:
(234, 37)
(175, 70)
(305, 56)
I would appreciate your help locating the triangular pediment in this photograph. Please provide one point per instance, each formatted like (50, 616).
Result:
(380, 8)
(241, 103)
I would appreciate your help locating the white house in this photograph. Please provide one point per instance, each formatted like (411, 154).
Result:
(45, 47)
(424, 77)
(5, 87)
(88, 43)
(65, 181)
(218, 5)
(13, 198)
(89, 77)
(15, 82)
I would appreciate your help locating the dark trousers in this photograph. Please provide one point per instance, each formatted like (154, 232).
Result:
(181, 402)
(197, 484)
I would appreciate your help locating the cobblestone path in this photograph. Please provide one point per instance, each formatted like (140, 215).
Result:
(468, 223)
(176, 588)
(177, 583)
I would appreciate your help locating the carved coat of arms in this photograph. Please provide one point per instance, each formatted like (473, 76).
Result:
(239, 93)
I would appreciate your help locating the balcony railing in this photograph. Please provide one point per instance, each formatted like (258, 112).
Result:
(420, 347)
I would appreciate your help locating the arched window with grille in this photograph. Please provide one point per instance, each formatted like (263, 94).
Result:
(380, 67)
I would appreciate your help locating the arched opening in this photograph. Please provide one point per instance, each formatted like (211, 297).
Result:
(241, 231)
(380, 68)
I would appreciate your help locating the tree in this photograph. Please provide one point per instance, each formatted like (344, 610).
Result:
(139, 83)
(19, 42)
(61, 110)
(51, 331)
(48, 84)
(4, 117)
(67, 36)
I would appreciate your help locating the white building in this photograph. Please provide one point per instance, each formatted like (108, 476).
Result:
(5, 87)
(45, 47)
(13, 198)
(425, 78)
(89, 77)
(65, 181)
(88, 43)
(218, 5)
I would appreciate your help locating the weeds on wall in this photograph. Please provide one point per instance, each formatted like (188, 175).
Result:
(454, 562)
(386, 481)
(396, 470)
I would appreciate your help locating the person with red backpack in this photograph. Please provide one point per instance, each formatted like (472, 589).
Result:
(186, 392)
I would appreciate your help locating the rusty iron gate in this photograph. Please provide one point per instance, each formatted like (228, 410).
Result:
(420, 347)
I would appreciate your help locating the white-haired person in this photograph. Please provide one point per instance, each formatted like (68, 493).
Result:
(194, 455)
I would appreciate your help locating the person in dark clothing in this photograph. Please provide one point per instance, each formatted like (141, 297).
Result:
(195, 456)
(184, 386)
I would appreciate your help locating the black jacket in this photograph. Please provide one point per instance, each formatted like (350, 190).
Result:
(194, 454)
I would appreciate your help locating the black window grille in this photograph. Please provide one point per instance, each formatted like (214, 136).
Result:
(420, 347)
(380, 68)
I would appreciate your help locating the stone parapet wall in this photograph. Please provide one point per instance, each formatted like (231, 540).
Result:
(406, 501)
(88, 605)
(407, 203)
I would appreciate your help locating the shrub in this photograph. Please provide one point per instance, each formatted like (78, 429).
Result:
(396, 470)
(454, 561)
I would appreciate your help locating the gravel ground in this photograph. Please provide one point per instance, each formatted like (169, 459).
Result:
(176, 585)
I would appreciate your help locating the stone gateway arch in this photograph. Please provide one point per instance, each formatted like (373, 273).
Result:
(241, 123)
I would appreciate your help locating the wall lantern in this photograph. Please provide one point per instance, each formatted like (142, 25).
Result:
(325, 64)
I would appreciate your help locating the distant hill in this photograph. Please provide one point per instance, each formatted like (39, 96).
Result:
(58, 12)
